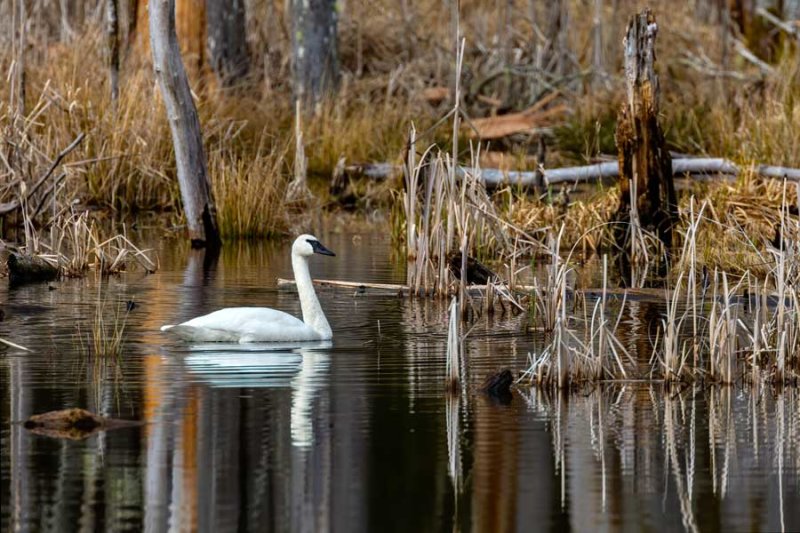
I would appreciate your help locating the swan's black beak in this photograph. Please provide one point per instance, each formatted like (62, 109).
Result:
(319, 249)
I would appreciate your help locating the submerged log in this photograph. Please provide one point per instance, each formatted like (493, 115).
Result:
(29, 268)
(644, 162)
(73, 424)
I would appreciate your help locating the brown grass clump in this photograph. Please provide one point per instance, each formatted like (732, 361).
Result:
(740, 224)
(585, 221)
(248, 192)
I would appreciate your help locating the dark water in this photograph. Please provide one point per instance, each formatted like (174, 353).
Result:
(359, 435)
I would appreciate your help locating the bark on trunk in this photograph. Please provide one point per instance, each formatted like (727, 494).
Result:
(112, 34)
(190, 158)
(227, 43)
(644, 161)
(314, 49)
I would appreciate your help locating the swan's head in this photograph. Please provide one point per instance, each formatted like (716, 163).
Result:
(308, 245)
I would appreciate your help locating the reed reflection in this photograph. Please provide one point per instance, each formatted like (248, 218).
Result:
(690, 447)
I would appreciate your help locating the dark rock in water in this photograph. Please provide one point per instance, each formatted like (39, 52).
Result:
(477, 272)
(73, 424)
(498, 386)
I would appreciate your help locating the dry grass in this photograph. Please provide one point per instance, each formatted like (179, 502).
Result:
(390, 53)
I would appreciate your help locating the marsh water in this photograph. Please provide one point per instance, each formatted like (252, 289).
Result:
(359, 435)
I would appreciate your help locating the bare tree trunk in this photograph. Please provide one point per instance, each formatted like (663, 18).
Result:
(190, 25)
(227, 43)
(644, 161)
(132, 12)
(598, 74)
(112, 34)
(198, 204)
(17, 94)
(314, 49)
(555, 35)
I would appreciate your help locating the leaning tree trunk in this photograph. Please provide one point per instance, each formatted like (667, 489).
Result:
(644, 161)
(198, 203)
(314, 49)
(227, 44)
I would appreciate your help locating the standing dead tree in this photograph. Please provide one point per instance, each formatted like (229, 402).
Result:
(198, 203)
(227, 40)
(644, 162)
(112, 34)
(314, 49)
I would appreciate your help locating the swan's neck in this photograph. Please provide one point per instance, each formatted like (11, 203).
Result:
(312, 311)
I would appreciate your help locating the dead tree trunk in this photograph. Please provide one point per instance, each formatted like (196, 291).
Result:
(190, 158)
(314, 49)
(112, 34)
(644, 162)
(227, 43)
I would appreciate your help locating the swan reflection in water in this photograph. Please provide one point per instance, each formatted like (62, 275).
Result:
(228, 407)
(300, 366)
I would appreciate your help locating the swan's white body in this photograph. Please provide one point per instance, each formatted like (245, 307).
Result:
(262, 324)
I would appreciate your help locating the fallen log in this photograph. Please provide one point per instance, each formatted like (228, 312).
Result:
(380, 289)
(494, 177)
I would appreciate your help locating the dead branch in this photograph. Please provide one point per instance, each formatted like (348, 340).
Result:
(9, 207)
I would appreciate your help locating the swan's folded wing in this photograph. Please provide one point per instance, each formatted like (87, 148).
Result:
(244, 324)
(191, 333)
(240, 318)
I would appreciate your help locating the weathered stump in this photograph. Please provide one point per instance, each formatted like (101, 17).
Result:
(644, 162)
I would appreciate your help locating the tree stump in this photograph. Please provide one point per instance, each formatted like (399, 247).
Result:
(644, 161)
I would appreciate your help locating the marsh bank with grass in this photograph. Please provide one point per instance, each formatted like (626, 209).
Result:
(565, 286)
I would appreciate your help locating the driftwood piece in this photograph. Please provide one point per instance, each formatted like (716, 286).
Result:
(644, 162)
(187, 140)
(378, 289)
(29, 268)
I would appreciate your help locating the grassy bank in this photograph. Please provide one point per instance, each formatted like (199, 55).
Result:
(713, 102)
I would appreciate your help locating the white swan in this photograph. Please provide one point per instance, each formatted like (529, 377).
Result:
(261, 324)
